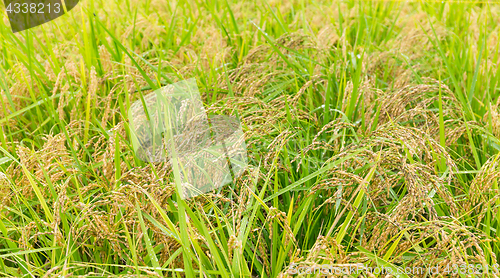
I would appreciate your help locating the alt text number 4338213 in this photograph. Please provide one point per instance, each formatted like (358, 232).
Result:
(33, 8)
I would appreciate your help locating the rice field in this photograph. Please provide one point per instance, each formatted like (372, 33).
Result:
(372, 131)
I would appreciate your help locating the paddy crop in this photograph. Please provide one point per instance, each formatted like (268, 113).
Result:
(372, 131)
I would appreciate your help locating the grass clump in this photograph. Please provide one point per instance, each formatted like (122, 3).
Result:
(371, 127)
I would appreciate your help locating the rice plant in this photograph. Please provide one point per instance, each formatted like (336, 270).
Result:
(372, 131)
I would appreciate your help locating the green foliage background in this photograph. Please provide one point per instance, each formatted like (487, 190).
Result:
(372, 129)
